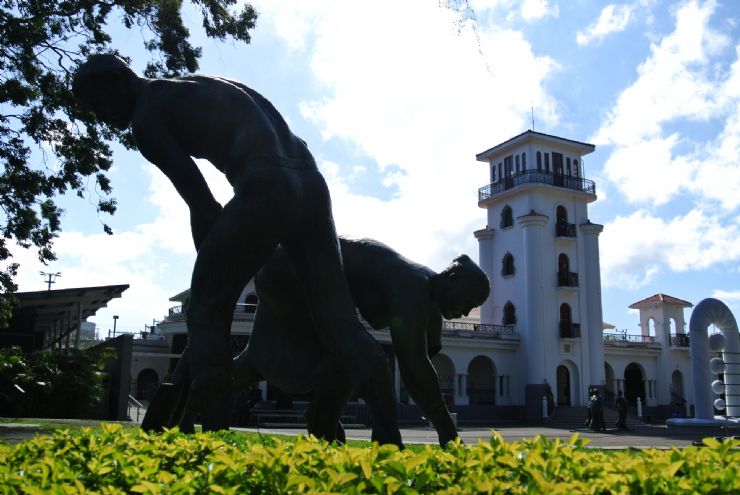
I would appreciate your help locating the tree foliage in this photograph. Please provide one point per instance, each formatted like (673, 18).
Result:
(49, 146)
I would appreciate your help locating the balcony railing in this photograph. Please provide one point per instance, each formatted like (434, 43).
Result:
(476, 330)
(176, 313)
(565, 229)
(536, 177)
(627, 339)
(680, 340)
(567, 279)
(570, 330)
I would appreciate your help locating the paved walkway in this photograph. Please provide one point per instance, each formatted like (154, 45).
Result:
(645, 436)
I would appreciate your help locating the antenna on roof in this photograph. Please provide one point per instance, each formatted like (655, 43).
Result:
(532, 108)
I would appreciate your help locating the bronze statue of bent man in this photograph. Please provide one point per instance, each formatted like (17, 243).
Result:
(279, 198)
(391, 292)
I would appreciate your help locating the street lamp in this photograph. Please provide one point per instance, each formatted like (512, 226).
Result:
(115, 320)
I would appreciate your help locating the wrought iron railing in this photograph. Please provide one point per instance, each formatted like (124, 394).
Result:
(570, 330)
(476, 330)
(565, 229)
(680, 340)
(567, 279)
(536, 177)
(616, 338)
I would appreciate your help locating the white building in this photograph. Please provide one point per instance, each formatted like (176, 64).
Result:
(542, 326)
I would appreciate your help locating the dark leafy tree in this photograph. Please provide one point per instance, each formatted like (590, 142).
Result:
(49, 146)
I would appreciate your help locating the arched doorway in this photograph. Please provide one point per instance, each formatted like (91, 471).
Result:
(634, 384)
(481, 387)
(563, 386)
(677, 393)
(146, 384)
(446, 373)
(651, 327)
(561, 215)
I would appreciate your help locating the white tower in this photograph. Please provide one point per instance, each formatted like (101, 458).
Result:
(541, 254)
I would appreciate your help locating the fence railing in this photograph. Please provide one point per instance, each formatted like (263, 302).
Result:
(680, 340)
(621, 338)
(567, 279)
(536, 177)
(564, 229)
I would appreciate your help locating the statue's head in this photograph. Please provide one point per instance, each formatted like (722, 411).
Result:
(466, 287)
(107, 86)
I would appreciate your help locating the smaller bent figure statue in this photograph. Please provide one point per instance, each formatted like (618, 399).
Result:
(280, 198)
(621, 404)
(390, 292)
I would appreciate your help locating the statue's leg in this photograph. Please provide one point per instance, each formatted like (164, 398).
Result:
(332, 391)
(240, 241)
(315, 254)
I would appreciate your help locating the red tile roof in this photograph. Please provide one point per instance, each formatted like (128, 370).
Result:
(664, 298)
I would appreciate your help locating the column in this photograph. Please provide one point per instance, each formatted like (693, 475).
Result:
(531, 330)
(593, 332)
(485, 260)
(461, 397)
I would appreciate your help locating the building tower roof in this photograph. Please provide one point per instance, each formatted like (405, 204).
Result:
(664, 298)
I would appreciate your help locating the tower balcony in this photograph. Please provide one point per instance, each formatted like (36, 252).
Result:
(567, 279)
(565, 229)
(570, 330)
(536, 177)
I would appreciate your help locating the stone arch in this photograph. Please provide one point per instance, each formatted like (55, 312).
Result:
(146, 384)
(651, 328)
(481, 386)
(677, 390)
(445, 369)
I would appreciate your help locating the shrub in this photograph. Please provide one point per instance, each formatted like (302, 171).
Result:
(56, 383)
(113, 460)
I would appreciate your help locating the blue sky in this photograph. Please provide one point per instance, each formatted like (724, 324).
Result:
(396, 98)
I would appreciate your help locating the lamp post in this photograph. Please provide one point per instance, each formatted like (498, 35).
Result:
(115, 320)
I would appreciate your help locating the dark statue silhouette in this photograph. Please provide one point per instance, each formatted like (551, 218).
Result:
(390, 292)
(279, 198)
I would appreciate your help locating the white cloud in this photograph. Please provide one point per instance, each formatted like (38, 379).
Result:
(613, 18)
(635, 248)
(727, 295)
(420, 98)
(533, 10)
(685, 85)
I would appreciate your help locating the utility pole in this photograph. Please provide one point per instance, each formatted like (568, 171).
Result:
(51, 279)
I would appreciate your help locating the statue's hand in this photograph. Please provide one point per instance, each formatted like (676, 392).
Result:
(201, 221)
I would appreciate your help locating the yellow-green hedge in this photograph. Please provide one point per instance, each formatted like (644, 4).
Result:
(110, 459)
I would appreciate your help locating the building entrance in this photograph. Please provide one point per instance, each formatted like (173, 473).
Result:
(563, 379)
(634, 384)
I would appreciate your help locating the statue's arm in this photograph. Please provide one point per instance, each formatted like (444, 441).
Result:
(418, 373)
(163, 151)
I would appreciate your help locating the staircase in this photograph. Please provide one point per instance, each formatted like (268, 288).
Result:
(574, 418)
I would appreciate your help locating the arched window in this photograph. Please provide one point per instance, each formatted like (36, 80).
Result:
(565, 313)
(507, 265)
(493, 174)
(524, 161)
(500, 174)
(507, 217)
(547, 162)
(563, 263)
(561, 214)
(509, 314)
(539, 161)
(575, 168)
(516, 160)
